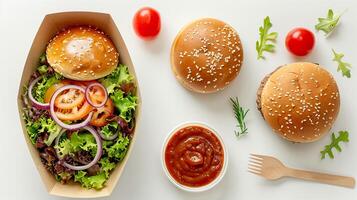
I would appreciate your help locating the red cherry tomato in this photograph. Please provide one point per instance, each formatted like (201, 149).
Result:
(147, 23)
(300, 41)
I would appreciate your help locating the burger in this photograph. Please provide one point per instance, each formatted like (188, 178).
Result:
(300, 101)
(82, 53)
(206, 55)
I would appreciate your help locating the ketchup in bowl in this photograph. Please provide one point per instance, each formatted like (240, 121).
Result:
(194, 156)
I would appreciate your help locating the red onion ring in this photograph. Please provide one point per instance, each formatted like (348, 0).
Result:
(39, 105)
(88, 98)
(97, 156)
(107, 138)
(53, 113)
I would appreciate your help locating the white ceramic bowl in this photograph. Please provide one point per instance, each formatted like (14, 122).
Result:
(184, 187)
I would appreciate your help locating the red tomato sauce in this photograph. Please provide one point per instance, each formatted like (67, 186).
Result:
(194, 156)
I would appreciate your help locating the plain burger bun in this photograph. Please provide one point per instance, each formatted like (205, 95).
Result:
(300, 101)
(82, 53)
(206, 55)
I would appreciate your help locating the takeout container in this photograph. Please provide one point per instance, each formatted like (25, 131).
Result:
(184, 187)
(51, 24)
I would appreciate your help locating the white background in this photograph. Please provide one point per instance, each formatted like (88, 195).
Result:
(166, 103)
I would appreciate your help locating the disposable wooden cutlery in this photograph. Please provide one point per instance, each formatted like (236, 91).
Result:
(273, 169)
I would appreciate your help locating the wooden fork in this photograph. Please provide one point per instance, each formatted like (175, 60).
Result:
(272, 169)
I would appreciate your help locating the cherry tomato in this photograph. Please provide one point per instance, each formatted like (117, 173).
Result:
(147, 23)
(300, 41)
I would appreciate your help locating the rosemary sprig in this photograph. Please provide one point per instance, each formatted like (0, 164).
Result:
(240, 114)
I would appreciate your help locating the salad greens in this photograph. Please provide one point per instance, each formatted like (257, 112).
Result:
(264, 37)
(80, 146)
(110, 129)
(42, 125)
(125, 103)
(42, 86)
(118, 150)
(342, 137)
(344, 67)
(77, 142)
(328, 24)
(96, 181)
(114, 80)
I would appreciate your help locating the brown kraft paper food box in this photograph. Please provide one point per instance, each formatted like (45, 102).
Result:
(51, 24)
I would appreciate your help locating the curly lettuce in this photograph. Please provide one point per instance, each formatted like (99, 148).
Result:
(42, 125)
(96, 181)
(124, 103)
(50, 126)
(118, 150)
(42, 86)
(115, 79)
(32, 129)
(110, 129)
(78, 141)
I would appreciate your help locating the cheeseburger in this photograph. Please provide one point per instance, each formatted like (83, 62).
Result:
(206, 55)
(300, 101)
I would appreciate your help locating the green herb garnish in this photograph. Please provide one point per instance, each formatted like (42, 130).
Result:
(344, 67)
(239, 114)
(264, 37)
(329, 23)
(343, 137)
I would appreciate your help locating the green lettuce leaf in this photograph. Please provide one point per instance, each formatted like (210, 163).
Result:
(42, 69)
(97, 181)
(42, 125)
(125, 104)
(50, 126)
(109, 129)
(106, 166)
(32, 129)
(77, 141)
(118, 150)
(42, 85)
(114, 80)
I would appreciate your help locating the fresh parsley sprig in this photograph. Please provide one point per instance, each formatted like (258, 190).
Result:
(343, 137)
(329, 23)
(240, 114)
(344, 67)
(264, 37)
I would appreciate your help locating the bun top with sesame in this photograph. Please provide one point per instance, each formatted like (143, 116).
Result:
(300, 101)
(82, 53)
(206, 55)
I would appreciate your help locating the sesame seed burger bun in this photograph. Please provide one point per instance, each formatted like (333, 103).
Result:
(82, 53)
(206, 55)
(300, 101)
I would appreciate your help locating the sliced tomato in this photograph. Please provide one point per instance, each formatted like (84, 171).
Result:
(64, 82)
(96, 95)
(101, 115)
(69, 99)
(76, 113)
(71, 105)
